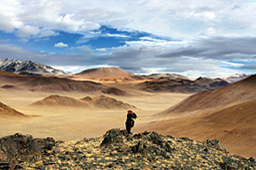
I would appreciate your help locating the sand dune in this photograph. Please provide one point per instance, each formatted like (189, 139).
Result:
(8, 111)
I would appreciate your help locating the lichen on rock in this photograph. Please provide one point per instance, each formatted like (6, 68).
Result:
(119, 150)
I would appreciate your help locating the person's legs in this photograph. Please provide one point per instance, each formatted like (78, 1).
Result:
(128, 126)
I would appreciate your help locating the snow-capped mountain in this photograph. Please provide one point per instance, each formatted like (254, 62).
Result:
(165, 75)
(20, 67)
(234, 78)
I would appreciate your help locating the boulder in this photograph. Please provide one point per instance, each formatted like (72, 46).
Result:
(113, 136)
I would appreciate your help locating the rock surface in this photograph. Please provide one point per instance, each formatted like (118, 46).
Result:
(119, 150)
(18, 148)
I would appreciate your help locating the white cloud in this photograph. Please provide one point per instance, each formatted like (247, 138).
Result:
(28, 30)
(72, 69)
(117, 35)
(209, 15)
(47, 33)
(211, 31)
(60, 44)
(101, 49)
(8, 15)
(162, 17)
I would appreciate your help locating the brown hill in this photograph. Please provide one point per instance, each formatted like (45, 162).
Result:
(48, 84)
(181, 85)
(11, 78)
(98, 102)
(234, 126)
(63, 101)
(114, 91)
(106, 74)
(104, 102)
(217, 98)
(52, 84)
(7, 111)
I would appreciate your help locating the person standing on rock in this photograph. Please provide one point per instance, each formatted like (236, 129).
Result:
(129, 121)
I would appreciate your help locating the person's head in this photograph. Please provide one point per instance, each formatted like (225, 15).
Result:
(129, 112)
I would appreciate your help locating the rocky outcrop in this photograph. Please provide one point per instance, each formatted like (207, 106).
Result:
(16, 148)
(148, 150)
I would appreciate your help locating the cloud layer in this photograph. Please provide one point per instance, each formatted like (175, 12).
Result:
(160, 17)
(204, 57)
(199, 38)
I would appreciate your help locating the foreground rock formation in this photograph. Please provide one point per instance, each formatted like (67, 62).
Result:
(118, 150)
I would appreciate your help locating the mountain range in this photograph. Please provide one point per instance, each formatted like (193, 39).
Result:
(96, 74)
(181, 85)
(234, 78)
(28, 67)
(218, 97)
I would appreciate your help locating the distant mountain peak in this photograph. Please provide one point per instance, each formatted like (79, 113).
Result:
(165, 75)
(235, 77)
(107, 74)
(16, 66)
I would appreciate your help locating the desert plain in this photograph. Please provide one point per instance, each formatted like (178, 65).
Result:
(74, 123)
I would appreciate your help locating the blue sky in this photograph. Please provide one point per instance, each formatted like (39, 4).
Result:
(194, 38)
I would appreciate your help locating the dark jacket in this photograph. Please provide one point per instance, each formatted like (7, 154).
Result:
(129, 121)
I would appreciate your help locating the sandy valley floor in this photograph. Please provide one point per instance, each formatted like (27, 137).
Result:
(77, 123)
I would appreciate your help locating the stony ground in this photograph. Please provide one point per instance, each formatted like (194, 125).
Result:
(119, 150)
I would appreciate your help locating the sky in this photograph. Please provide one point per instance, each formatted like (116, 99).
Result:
(209, 38)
